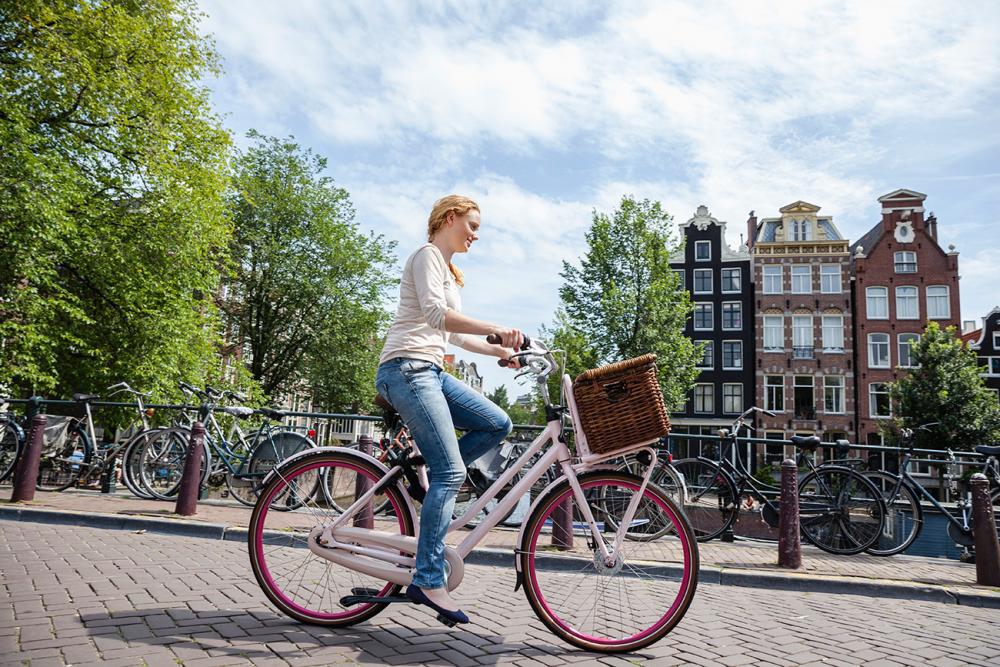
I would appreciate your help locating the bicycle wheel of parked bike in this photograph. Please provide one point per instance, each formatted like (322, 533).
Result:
(62, 464)
(840, 511)
(616, 605)
(11, 437)
(161, 462)
(297, 581)
(710, 501)
(646, 527)
(131, 456)
(270, 450)
(904, 518)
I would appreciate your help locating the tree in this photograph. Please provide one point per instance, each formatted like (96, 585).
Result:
(112, 176)
(626, 301)
(500, 398)
(579, 354)
(305, 300)
(946, 387)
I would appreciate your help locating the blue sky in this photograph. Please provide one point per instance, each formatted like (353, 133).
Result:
(543, 114)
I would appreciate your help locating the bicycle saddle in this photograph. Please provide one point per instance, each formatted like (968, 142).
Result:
(83, 398)
(988, 450)
(276, 415)
(809, 442)
(384, 404)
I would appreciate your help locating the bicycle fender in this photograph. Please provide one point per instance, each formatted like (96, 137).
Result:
(541, 496)
(350, 453)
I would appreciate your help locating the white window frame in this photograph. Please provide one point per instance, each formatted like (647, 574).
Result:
(709, 350)
(780, 329)
(767, 279)
(996, 340)
(812, 393)
(801, 230)
(872, 412)
(872, 350)
(798, 339)
(827, 271)
(702, 244)
(842, 400)
(899, 348)
(990, 370)
(900, 258)
(797, 271)
(914, 302)
(739, 407)
(931, 314)
(768, 386)
(710, 397)
(877, 292)
(739, 346)
(839, 328)
(711, 316)
(722, 280)
(739, 310)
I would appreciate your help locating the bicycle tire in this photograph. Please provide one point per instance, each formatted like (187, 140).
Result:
(277, 542)
(904, 517)
(645, 528)
(60, 469)
(658, 578)
(711, 497)
(131, 454)
(11, 442)
(269, 453)
(160, 475)
(840, 511)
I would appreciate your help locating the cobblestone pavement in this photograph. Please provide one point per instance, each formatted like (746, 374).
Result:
(740, 555)
(89, 596)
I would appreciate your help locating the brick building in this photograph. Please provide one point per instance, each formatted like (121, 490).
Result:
(986, 343)
(803, 325)
(718, 278)
(902, 279)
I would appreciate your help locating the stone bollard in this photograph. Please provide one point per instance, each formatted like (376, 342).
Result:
(365, 518)
(562, 524)
(187, 495)
(984, 531)
(26, 472)
(789, 545)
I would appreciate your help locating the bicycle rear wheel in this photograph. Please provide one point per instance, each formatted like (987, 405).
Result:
(840, 511)
(162, 459)
(10, 448)
(61, 468)
(710, 502)
(298, 582)
(616, 606)
(904, 517)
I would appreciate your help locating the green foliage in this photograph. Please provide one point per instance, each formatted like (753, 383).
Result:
(527, 411)
(305, 299)
(578, 354)
(947, 388)
(625, 301)
(112, 175)
(500, 398)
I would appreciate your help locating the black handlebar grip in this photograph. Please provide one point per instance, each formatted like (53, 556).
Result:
(494, 339)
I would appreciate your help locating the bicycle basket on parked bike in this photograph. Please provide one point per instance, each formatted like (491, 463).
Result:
(620, 405)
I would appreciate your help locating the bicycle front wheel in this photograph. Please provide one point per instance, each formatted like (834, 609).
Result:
(621, 604)
(62, 467)
(298, 582)
(10, 448)
(162, 459)
(710, 501)
(840, 511)
(904, 517)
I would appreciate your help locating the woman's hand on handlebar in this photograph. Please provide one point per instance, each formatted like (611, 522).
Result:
(507, 337)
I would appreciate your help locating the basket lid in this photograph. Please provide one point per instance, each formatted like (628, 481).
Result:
(617, 367)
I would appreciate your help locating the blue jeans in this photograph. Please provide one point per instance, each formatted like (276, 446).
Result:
(433, 404)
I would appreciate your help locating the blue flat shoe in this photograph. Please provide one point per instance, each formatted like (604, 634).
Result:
(449, 618)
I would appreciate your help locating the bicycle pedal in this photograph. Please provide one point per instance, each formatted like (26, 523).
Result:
(351, 600)
(447, 621)
(361, 590)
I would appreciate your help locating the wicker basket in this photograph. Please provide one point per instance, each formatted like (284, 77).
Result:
(620, 405)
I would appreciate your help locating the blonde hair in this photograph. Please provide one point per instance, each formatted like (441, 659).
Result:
(458, 205)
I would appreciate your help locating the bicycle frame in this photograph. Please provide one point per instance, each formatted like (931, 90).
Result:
(381, 554)
(904, 474)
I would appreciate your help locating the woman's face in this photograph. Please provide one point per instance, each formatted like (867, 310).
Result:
(463, 230)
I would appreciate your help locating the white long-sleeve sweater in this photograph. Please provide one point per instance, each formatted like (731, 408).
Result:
(426, 291)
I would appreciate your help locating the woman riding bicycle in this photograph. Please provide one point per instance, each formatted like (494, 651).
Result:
(431, 402)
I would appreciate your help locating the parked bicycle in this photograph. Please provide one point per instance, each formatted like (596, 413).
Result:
(325, 566)
(239, 460)
(840, 511)
(902, 493)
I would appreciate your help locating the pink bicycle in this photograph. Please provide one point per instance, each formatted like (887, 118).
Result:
(345, 554)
